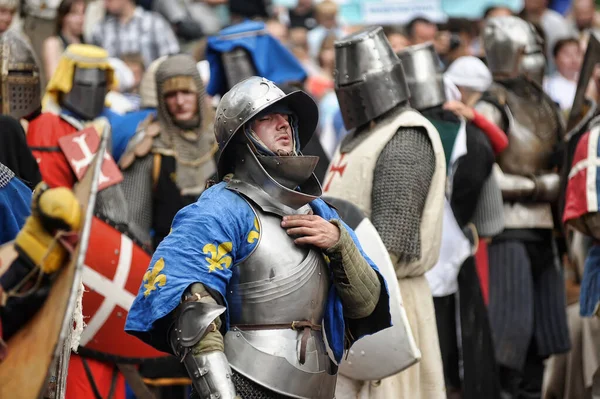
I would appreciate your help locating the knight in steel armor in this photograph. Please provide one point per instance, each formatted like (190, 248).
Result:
(392, 163)
(168, 162)
(527, 300)
(75, 99)
(257, 273)
(453, 280)
(20, 100)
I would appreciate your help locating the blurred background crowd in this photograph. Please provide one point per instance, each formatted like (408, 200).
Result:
(135, 33)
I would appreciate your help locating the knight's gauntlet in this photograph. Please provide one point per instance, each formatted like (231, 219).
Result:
(547, 187)
(357, 283)
(197, 342)
(51, 210)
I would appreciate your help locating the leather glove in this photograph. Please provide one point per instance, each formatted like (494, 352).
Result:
(51, 210)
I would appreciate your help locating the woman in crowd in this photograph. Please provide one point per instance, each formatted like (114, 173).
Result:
(69, 30)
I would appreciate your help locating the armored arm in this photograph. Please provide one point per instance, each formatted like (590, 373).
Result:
(196, 340)
(540, 188)
(25, 284)
(357, 283)
(401, 183)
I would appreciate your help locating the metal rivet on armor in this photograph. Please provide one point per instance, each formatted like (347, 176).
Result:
(197, 374)
(362, 353)
(217, 395)
(238, 335)
(352, 351)
(230, 130)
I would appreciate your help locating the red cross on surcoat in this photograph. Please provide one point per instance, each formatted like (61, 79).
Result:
(333, 169)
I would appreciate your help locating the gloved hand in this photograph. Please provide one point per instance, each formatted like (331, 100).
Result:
(189, 29)
(52, 209)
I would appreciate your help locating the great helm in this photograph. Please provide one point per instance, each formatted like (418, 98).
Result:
(513, 48)
(21, 91)
(423, 75)
(246, 100)
(369, 78)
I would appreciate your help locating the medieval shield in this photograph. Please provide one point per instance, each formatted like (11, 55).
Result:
(114, 267)
(583, 190)
(392, 350)
(79, 149)
(30, 352)
(571, 140)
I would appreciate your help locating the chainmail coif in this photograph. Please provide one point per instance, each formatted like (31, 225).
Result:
(401, 183)
(191, 145)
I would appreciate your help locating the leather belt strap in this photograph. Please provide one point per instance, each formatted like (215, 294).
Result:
(304, 325)
(45, 149)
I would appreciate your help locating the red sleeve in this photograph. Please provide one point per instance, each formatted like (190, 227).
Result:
(496, 135)
(43, 133)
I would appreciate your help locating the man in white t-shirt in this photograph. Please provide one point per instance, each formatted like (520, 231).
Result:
(562, 84)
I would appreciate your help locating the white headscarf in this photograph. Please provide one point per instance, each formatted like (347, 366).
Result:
(469, 72)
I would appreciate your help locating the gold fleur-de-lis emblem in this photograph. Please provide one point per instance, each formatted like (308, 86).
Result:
(254, 233)
(218, 257)
(153, 278)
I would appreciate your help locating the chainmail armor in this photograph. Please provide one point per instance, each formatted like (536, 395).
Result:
(247, 389)
(137, 186)
(6, 175)
(111, 204)
(401, 183)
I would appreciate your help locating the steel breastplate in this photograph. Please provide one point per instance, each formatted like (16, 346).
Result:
(533, 132)
(279, 283)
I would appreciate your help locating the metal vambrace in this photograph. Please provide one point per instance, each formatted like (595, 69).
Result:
(513, 187)
(357, 283)
(209, 371)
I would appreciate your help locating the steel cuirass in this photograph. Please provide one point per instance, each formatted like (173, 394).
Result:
(280, 283)
(277, 295)
(534, 129)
